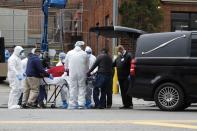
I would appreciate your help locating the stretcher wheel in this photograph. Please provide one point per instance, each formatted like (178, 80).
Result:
(53, 106)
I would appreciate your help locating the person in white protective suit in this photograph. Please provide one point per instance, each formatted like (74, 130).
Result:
(77, 63)
(64, 91)
(62, 57)
(92, 59)
(15, 77)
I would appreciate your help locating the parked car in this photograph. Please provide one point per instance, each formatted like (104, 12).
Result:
(164, 69)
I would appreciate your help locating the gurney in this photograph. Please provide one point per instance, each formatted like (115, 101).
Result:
(58, 85)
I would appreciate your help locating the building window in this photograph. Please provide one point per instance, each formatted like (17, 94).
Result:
(183, 21)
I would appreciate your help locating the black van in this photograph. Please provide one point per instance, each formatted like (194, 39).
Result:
(164, 69)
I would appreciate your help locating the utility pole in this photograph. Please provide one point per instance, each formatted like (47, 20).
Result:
(115, 22)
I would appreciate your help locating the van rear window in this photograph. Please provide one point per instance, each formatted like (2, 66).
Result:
(170, 44)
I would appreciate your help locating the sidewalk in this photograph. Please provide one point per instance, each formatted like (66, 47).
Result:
(117, 101)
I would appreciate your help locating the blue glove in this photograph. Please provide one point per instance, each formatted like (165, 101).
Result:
(50, 77)
(19, 77)
(129, 77)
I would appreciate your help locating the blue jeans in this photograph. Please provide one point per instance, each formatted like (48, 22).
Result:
(101, 85)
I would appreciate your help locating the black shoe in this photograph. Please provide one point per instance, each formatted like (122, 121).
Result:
(101, 107)
(24, 106)
(108, 107)
(33, 106)
(126, 107)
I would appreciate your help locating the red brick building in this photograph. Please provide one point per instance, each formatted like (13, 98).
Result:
(178, 15)
(99, 13)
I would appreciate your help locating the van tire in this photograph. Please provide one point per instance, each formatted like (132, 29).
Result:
(169, 97)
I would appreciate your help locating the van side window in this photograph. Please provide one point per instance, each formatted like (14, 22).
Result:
(194, 46)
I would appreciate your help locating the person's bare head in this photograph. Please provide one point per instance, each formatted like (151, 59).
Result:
(121, 49)
(37, 51)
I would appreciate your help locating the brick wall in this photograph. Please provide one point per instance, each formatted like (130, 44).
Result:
(97, 11)
(34, 20)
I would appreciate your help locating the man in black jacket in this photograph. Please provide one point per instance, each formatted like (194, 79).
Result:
(123, 70)
(103, 78)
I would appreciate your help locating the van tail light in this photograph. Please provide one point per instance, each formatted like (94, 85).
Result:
(132, 68)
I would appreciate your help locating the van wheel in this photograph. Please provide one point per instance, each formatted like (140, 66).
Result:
(169, 97)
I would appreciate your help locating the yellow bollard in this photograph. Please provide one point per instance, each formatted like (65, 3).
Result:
(115, 82)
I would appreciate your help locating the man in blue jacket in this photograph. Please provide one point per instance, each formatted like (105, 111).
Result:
(34, 72)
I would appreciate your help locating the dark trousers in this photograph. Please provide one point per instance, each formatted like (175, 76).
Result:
(20, 99)
(42, 94)
(124, 86)
(101, 86)
(109, 94)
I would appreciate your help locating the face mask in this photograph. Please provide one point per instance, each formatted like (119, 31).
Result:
(23, 54)
(63, 60)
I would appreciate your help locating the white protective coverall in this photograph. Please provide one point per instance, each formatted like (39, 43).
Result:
(15, 76)
(77, 63)
(60, 80)
(92, 59)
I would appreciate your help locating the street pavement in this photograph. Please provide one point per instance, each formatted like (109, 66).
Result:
(144, 117)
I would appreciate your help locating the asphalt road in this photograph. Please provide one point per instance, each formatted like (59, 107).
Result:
(144, 117)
